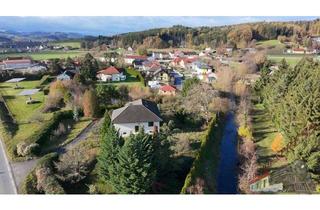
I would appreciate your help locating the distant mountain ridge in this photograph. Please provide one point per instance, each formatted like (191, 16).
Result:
(37, 36)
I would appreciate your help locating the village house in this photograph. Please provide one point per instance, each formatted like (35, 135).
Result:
(203, 71)
(183, 62)
(167, 90)
(176, 54)
(66, 75)
(111, 74)
(128, 59)
(149, 67)
(136, 115)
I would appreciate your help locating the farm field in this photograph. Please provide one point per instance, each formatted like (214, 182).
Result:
(46, 55)
(73, 44)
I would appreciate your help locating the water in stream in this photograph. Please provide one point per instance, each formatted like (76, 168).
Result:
(227, 180)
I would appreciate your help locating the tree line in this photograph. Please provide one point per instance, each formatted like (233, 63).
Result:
(235, 35)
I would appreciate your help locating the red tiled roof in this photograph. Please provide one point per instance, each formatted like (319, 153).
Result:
(167, 88)
(185, 59)
(151, 64)
(257, 178)
(109, 71)
(136, 57)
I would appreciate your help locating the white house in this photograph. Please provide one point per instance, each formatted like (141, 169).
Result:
(136, 115)
(128, 59)
(111, 74)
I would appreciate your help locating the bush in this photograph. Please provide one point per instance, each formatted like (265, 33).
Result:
(277, 143)
(245, 132)
(24, 149)
(30, 184)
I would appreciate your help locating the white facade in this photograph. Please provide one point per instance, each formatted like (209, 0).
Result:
(125, 129)
(113, 77)
(129, 60)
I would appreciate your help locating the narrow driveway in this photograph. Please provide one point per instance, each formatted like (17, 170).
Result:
(7, 183)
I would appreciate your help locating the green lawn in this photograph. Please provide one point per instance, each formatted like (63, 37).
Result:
(291, 59)
(264, 134)
(28, 117)
(73, 44)
(269, 43)
(46, 54)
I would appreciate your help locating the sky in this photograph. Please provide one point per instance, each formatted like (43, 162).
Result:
(111, 25)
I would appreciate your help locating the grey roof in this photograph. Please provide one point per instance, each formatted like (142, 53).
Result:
(137, 111)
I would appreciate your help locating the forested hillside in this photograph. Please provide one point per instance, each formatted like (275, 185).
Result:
(235, 35)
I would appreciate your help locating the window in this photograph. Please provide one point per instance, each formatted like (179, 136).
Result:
(150, 124)
(124, 133)
(136, 128)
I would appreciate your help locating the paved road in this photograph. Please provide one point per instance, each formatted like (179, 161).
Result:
(7, 184)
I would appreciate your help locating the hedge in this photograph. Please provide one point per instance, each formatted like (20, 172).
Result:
(209, 153)
(40, 137)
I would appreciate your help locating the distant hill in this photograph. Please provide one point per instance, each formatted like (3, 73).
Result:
(15, 36)
(232, 35)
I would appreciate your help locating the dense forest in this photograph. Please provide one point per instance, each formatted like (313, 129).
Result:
(234, 35)
(292, 97)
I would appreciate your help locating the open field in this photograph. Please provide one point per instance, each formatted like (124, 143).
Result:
(73, 44)
(264, 134)
(269, 43)
(291, 59)
(46, 54)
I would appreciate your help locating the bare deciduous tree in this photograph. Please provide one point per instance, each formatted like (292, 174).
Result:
(199, 99)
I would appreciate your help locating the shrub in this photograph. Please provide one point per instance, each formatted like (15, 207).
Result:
(277, 143)
(245, 132)
(24, 149)
(30, 184)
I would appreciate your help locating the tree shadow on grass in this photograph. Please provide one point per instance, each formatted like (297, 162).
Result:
(10, 125)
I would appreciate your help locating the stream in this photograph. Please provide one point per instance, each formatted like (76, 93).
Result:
(227, 177)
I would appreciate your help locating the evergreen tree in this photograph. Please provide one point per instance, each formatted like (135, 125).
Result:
(89, 67)
(110, 145)
(135, 172)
